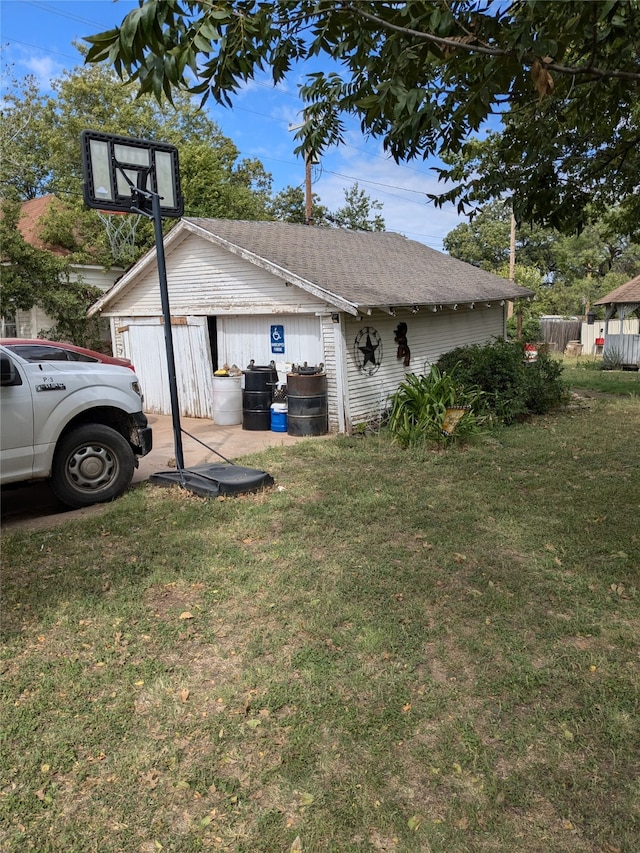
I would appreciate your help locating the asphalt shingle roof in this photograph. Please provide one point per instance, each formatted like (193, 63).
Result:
(627, 293)
(376, 269)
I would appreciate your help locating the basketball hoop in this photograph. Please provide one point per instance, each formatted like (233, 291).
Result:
(121, 173)
(120, 227)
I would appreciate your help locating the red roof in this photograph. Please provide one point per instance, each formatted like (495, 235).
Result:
(31, 212)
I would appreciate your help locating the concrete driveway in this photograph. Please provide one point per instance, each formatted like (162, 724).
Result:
(33, 506)
(229, 441)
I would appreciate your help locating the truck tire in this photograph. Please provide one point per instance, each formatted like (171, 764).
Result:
(92, 464)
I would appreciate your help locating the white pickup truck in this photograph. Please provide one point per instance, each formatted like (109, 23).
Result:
(78, 425)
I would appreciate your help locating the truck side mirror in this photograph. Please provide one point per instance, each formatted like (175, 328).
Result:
(8, 374)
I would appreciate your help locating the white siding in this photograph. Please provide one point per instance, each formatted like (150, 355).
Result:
(591, 331)
(428, 336)
(34, 322)
(333, 344)
(96, 276)
(207, 281)
(204, 279)
(241, 339)
(353, 397)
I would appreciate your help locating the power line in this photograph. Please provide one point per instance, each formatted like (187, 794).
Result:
(44, 49)
(377, 183)
(61, 14)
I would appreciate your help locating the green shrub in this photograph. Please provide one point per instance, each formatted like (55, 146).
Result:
(544, 384)
(530, 332)
(419, 409)
(513, 387)
(612, 359)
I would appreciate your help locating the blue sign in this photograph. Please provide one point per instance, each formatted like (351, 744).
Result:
(277, 340)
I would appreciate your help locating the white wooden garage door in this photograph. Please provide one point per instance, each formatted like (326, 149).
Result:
(146, 347)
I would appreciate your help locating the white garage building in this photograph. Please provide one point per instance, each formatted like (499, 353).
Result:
(263, 291)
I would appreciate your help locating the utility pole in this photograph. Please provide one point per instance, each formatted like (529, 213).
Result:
(512, 272)
(512, 249)
(308, 193)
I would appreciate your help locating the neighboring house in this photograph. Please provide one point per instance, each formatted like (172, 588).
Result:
(262, 291)
(34, 322)
(625, 345)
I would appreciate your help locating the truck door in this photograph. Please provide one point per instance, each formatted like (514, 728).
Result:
(16, 409)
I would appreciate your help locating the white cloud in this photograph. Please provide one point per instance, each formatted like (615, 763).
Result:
(401, 189)
(43, 69)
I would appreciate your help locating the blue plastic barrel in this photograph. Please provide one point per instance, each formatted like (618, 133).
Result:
(278, 417)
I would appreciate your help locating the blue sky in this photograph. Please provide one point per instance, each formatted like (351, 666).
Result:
(37, 38)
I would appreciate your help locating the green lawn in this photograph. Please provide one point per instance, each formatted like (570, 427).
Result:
(390, 650)
(586, 374)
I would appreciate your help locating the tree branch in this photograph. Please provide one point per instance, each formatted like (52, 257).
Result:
(600, 73)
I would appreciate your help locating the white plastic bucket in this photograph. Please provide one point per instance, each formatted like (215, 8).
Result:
(227, 400)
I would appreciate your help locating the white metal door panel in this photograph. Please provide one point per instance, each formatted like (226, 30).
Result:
(16, 404)
(241, 339)
(147, 351)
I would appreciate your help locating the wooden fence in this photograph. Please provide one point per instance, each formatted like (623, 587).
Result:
(556, 332)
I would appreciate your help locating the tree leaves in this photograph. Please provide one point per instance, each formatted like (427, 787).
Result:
(542, 80)
(581, 266)
(423, 77)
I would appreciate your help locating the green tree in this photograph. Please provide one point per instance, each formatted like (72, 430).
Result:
(40, 153)
(33, 276)
(568, 272)
(424, 77)
(25, 136)
(40, 140)
(485, 240)
(289, 206)
(215, 184)
(358, 213)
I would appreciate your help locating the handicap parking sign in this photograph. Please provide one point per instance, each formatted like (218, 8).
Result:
(277, 339)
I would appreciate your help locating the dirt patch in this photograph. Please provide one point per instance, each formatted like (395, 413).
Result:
(174, 599)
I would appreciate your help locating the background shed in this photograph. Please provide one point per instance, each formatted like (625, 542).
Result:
(623, 346)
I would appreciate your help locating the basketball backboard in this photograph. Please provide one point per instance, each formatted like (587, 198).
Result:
(119, 172)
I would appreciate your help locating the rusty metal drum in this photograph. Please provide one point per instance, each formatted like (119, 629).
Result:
(307, 402)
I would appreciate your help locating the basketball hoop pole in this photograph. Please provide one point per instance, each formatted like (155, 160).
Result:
(156, 215)
(168, 334)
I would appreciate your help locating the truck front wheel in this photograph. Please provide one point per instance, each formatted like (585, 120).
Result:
(92, 464)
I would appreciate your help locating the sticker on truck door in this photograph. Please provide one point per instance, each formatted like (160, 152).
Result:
(50, 385)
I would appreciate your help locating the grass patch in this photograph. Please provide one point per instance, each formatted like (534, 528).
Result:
(392, 650)
(588, 375)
